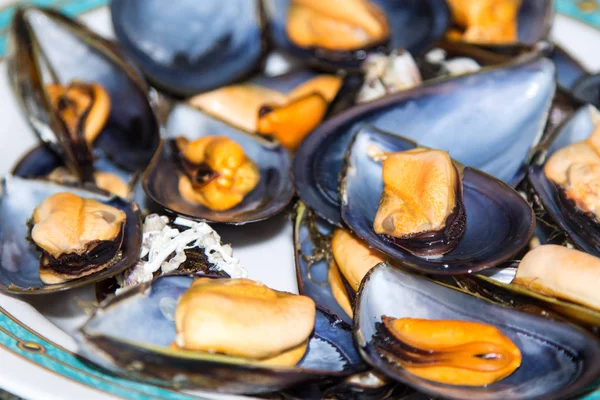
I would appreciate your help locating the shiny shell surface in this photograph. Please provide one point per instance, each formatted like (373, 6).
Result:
(137, 327)
(559, 359)
(499, 221)
(19, 267)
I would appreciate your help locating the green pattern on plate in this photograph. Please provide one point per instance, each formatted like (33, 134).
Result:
(26, 344)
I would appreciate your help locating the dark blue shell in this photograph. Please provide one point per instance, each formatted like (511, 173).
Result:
(534, 20)
(414, 25)
(313, 276)
(568, 69)
(138, 326)
(499, 221)
(587, 89)
(271, 196)
(559, 359)
(466, 116)
(19, 265)
(186, 47)
(130, 136)
(579, 127)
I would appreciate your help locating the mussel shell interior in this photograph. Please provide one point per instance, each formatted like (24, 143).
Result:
(72, 52)
(499, 221)
(19, 265)
(559, 359)
(581, 229)
(465, 116)
(414, 25)
(190, 47)
(139, 326)
(271, 195)
(311, 270)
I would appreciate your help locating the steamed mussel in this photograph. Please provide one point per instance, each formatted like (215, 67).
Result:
(77, 236)
(461, 220)
(60, 237)
(421, 207)
(83, 99)
(340, 34)
(446, 343)
(228, 335)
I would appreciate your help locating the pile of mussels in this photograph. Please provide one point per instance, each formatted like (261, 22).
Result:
(441, 156)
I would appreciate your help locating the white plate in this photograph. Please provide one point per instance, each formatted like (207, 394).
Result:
(265, 249)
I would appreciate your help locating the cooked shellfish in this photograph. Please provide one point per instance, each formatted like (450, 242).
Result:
(336, 25)
(267, 111)
(234, 316)
(446, 351)
(485, 21)
(77, 236)
(421, 206)
(561, 272)
(217, 172)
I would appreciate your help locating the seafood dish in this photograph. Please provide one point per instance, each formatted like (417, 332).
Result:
(431, 169)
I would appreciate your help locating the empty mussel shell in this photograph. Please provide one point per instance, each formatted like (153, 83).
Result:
(460, 115)
(499, 222)
(413, 25)
(131, 333)
(222, 41)
(312, 246)
(47, 47)
(272, 194)
(558, 360)
(502, 277)
(19, 267)
(581, 228)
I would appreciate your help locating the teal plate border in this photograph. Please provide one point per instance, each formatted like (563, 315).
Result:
(27, 344)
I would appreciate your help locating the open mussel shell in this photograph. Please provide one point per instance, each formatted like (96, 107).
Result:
(131, 334)
(222, 41)
(41, 161)
(558, 360)
(464, 116)
(499, 222)
(19, 267)
(272, 194)
(502, 277)
(581, 228)
(47, 47)
(312, 246)
(414, 25)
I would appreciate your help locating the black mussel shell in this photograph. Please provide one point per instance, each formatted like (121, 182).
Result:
(587, 89)
(568, 69)
(499, 222)
(559, 360)
(269, 197)
(188, 47)
(135, 328)
(459, 115)
(582, 228)
(48, 47)
(414, 25)
(19, 267)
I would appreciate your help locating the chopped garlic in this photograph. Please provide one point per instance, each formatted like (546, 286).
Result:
(453, 66)
(160, 241)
